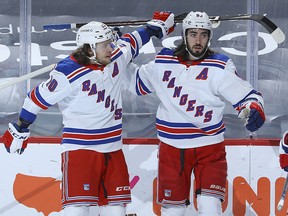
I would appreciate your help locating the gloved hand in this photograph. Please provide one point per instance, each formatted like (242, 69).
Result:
(116, 33)
(15, 139)
(161, 24)
(283, 152)
(253, 114)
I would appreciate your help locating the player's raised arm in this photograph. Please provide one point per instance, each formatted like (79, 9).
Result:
(161, 24)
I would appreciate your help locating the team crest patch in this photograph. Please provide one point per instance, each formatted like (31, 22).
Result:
(86, 187)
(167, 193)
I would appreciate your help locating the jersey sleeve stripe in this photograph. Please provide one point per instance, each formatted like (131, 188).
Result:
(27, 116)
(134, 46)
(116, 53)
(136, 39)
(35, 96)
(238, 105)
(141, 89)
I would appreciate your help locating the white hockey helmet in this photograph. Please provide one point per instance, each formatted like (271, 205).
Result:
(197, 20)
(93, 33)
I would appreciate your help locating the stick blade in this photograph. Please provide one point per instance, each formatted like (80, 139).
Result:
(278, 35)
(273, 29)
(280, 205)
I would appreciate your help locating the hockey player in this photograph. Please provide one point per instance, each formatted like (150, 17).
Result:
(87, 88)
(191, 82)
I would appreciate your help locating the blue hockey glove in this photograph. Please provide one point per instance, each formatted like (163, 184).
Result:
(253, 114)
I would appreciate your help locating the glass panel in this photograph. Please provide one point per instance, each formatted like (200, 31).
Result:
(139, 113)
(10, 102)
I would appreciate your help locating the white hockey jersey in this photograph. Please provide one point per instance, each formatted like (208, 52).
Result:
(190, 113)
(89, 97)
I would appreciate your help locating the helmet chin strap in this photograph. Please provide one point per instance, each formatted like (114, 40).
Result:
(93, 58)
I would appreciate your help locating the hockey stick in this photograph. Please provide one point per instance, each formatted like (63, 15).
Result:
(178, 19)
(274, 30)
(277, 34)
(27, 76)
(283, 195)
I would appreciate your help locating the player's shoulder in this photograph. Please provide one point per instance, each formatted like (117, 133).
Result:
(67, 66)
(166, 51)
(166, 55)
(218, 60)
(219, 56)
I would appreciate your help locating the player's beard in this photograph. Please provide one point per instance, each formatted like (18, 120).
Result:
(198, 54)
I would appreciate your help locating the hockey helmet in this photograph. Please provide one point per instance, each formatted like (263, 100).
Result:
(93, 33)
(199, 20)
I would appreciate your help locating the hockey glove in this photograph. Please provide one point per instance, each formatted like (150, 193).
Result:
(116, 33)
(16, 139)
(161, 24)
(253, 114)
(283, 152)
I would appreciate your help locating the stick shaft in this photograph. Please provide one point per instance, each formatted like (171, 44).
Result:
(178, 19)
(275, 31)
(27, 76)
